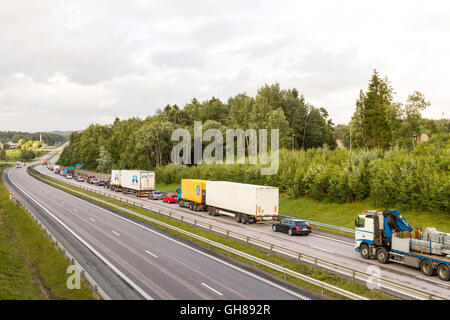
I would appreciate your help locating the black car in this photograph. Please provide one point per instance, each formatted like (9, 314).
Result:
(292, 226)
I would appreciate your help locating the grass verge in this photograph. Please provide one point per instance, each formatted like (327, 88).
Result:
(31, 267)
(286, 262)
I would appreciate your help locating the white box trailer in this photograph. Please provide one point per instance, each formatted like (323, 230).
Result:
(138, 182)
(246, 202)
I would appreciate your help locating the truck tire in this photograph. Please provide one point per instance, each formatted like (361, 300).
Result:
(245, 219)
(365, 251)
(191, 206)
(237, 216)
(426, 267)
(443, 272)
(382, 255)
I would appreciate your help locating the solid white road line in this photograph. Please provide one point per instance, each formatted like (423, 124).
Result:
(154, 255)
(250, 274)
(115, 233)
(100, 256)
(93, 220)
(435, 281)
(322, 249)
(213, 290)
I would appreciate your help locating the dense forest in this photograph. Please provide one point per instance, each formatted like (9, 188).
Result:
(145, 144)
(383, 161)
(50, 139)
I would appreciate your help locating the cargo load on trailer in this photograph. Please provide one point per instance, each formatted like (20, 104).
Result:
(388, 237)
(246, 202)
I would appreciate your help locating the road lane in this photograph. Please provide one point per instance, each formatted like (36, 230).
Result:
(319, 246)
(179, 270)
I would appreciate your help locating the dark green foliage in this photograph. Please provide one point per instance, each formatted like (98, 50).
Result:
(146, 144)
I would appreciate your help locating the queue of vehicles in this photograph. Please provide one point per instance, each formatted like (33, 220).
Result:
(385, 236)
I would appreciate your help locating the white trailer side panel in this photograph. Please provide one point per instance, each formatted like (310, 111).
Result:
(138, 180)
(250, 199)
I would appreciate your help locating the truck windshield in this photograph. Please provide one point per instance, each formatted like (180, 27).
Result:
(359, 222)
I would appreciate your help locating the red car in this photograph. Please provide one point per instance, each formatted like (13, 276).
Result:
(170, 198)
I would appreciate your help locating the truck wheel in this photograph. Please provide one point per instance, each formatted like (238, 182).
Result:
(443, 272)
(191, 206)
(245, 219)
(365, 252)
(238, 218)
(382, 255)
(426, 267)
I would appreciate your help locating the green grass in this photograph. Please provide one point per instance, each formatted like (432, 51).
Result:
(344, 214)
(322, 275)
(31, 267)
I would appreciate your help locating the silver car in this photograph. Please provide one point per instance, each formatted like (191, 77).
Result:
(155, 195)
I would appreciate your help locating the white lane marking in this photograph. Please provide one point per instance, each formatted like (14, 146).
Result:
(333, 239)
(438, 282)
(100, 256)
(75, 209)
(93, 220)
(154, 255)
(250, 274)
(115, 233)
(322, 249)
(213, 290)
(268, 282)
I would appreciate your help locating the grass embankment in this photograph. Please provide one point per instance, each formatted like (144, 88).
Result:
(344, 214)
(292, 264)
(31, 267)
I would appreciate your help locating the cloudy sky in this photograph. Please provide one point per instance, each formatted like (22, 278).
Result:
(66, 64)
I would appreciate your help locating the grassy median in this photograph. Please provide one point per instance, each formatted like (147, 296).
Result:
(31, 267)
(302, 268)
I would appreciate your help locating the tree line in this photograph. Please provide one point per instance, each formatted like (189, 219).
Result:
(146, 143)
(50, 139)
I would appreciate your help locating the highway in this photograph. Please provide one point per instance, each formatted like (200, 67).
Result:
(131, 260)
(322, 245)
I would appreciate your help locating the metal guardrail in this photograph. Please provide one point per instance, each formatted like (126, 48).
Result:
(97, 289)
(324, 225)
(350, 273)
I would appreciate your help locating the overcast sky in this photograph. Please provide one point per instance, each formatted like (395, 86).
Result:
(66, 64)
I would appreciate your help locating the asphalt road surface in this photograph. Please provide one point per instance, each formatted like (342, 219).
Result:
(321, 245)
(131, 260)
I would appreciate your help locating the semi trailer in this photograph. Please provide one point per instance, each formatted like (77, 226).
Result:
(388, 237)
(247, 203)
(137, 182)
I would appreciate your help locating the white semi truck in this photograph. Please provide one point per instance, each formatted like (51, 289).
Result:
(387, 237)
(137, 182)
(245, 202)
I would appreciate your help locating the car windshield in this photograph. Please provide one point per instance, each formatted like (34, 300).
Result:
(301, 223)
(157, 192)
